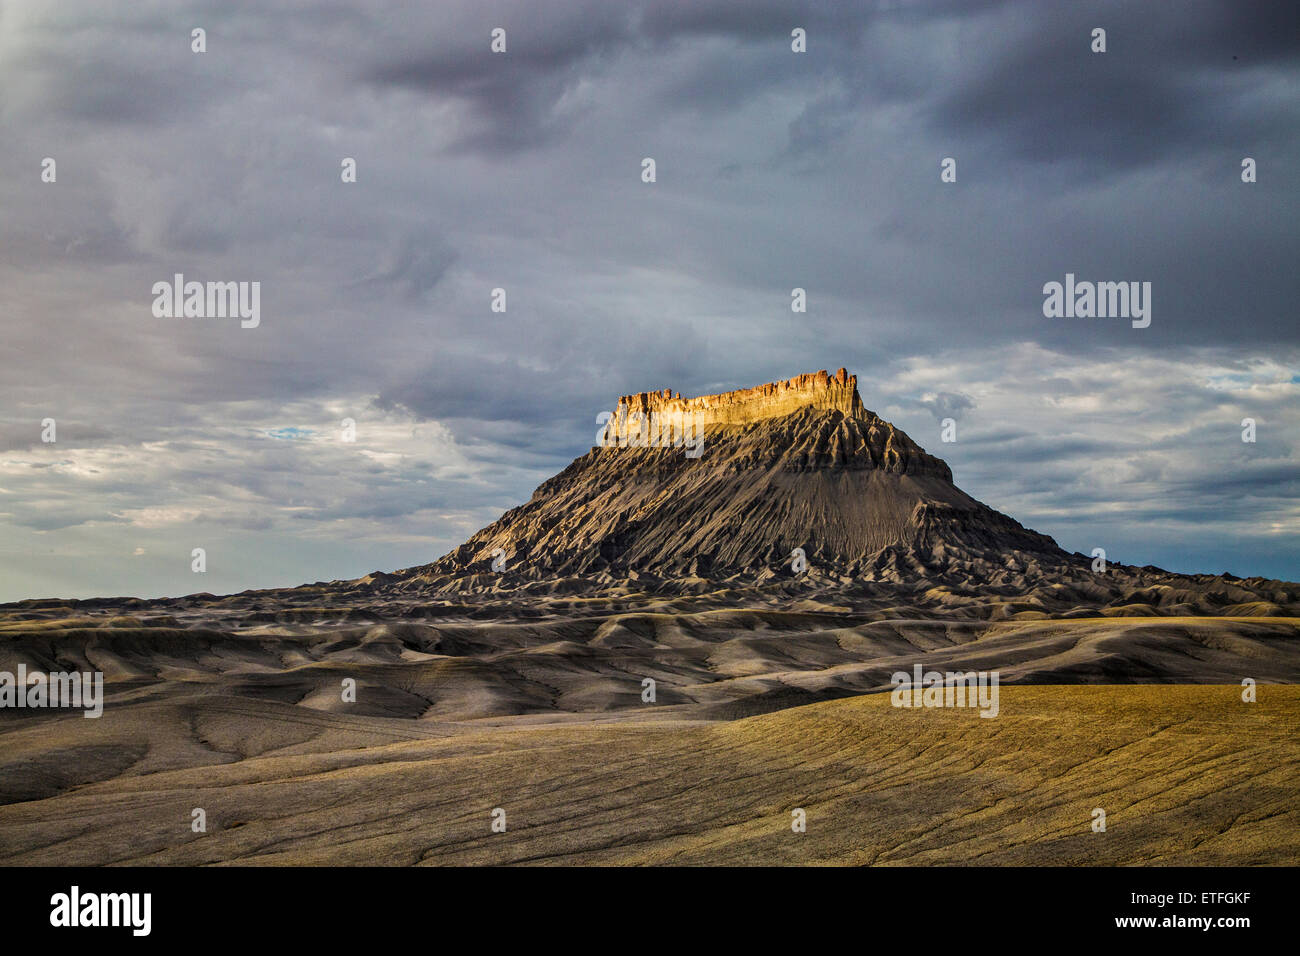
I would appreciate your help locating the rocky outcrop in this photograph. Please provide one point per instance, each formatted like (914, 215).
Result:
(741, 407)
(796, 464)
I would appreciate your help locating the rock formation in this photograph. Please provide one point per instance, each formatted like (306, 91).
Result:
(740, 407)
(799, 463)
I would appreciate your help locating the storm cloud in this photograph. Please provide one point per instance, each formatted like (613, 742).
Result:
(522, 171)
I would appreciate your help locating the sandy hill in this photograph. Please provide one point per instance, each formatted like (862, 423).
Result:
(1187, 776)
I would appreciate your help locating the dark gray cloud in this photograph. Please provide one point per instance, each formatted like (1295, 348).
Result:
(945, 404)
(776, 170)
(1046, 97)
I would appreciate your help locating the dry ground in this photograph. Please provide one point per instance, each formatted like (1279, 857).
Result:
(1186, 775)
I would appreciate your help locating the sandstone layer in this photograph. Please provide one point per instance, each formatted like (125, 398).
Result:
(741, 407)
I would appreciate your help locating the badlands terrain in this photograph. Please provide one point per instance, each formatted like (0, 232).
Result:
(769, 587)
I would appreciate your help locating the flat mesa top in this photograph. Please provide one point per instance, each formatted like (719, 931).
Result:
(772, 400)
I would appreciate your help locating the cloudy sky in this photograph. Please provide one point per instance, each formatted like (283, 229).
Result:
(522, 170)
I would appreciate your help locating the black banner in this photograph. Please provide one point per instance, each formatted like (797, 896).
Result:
(638, 907)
